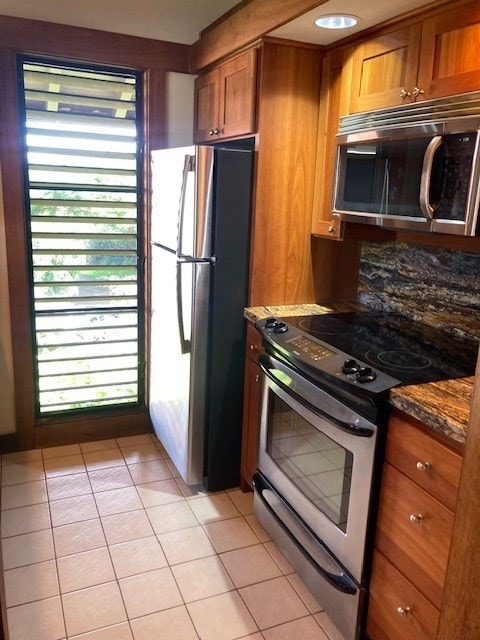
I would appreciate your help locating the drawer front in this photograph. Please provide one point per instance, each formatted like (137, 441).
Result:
(429, 463)
(414, 532)
(254, 343)
(397, 610)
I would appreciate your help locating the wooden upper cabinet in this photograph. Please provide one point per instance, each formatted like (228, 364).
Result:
(437, 57)
(225, 99)
(450, 54)
(385, 69)
(334, 99)
(207, 91)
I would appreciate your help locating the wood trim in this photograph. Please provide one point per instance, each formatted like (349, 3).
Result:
(460, 614)
(91, 45)
(249, 22)
(93, 428)
(8, 444)
(15, 234)
(459, 243)
(225, 16)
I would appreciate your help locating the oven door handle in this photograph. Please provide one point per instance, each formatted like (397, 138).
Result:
(279, 379)
(270, 499)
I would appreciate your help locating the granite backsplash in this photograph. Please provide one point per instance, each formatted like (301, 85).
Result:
(436, 286)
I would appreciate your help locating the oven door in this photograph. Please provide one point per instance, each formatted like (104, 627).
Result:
(319, 456)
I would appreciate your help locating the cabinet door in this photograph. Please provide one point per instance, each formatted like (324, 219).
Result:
(251, 406)
(450, 53)
(396, 609)
(383, 67)
(414, 532)
(428, 462)
(206, 105)
(237, 95)
(334, 99)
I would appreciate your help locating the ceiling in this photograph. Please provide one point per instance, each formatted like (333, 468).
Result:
(170, 20)
(183, 20)
(370, 12)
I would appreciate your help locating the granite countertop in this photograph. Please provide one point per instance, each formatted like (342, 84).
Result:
(443, 406)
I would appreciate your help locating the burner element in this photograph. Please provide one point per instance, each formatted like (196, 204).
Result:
(400, 359)
(327, 325)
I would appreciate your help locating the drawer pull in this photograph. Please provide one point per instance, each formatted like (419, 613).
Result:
(416, 519)
(404, 611)
(423, 466)
(253, 347)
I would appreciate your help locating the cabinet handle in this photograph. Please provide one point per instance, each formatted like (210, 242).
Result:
(417, 92)
(331, 229)
(257, 378)
(404, 611)
(416, 519)
(404, 94)
(253, 347)
(423, 466)
(211, 132)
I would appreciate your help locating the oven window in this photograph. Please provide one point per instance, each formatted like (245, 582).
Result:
(316, 464)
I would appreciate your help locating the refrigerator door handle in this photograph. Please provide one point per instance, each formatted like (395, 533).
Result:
(185, 345)
(188, 166)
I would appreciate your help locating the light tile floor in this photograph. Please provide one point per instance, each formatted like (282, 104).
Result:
(104, 541)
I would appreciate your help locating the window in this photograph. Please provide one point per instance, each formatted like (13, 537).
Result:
(82, 165)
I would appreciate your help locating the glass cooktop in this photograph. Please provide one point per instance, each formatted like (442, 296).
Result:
(407, 350)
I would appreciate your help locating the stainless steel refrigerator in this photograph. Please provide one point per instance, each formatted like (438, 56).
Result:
(200, 236)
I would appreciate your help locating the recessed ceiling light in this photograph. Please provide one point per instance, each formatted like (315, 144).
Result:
(336, 21)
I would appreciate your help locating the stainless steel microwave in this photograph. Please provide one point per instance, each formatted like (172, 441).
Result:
(415, 166)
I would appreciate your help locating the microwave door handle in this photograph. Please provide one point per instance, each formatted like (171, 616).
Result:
(352, 429)
(425, 205)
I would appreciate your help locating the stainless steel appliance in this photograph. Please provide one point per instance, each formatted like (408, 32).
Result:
(200, 225)
(414, 166)
(324, 413)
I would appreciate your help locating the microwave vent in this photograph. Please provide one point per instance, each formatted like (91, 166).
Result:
(427, 112)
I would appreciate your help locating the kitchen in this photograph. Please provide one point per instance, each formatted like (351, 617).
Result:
(288, 266)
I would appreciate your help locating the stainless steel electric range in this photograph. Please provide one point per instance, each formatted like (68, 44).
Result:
(324, 416)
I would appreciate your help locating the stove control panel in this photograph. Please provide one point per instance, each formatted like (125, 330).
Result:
(307, 347)
(362, 374)
(302, 348)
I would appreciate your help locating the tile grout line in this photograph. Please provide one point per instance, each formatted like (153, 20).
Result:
(184, 499)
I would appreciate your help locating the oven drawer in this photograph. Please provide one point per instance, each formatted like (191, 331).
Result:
(321, 572)
(397, 610)
(414, 532)
(428, 462)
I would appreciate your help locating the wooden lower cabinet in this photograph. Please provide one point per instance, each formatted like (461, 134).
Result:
(397, 610)
(414, 529)
(251, 407)
(413, 535)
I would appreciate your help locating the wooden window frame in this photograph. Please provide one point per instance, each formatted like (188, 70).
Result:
(153, 59)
